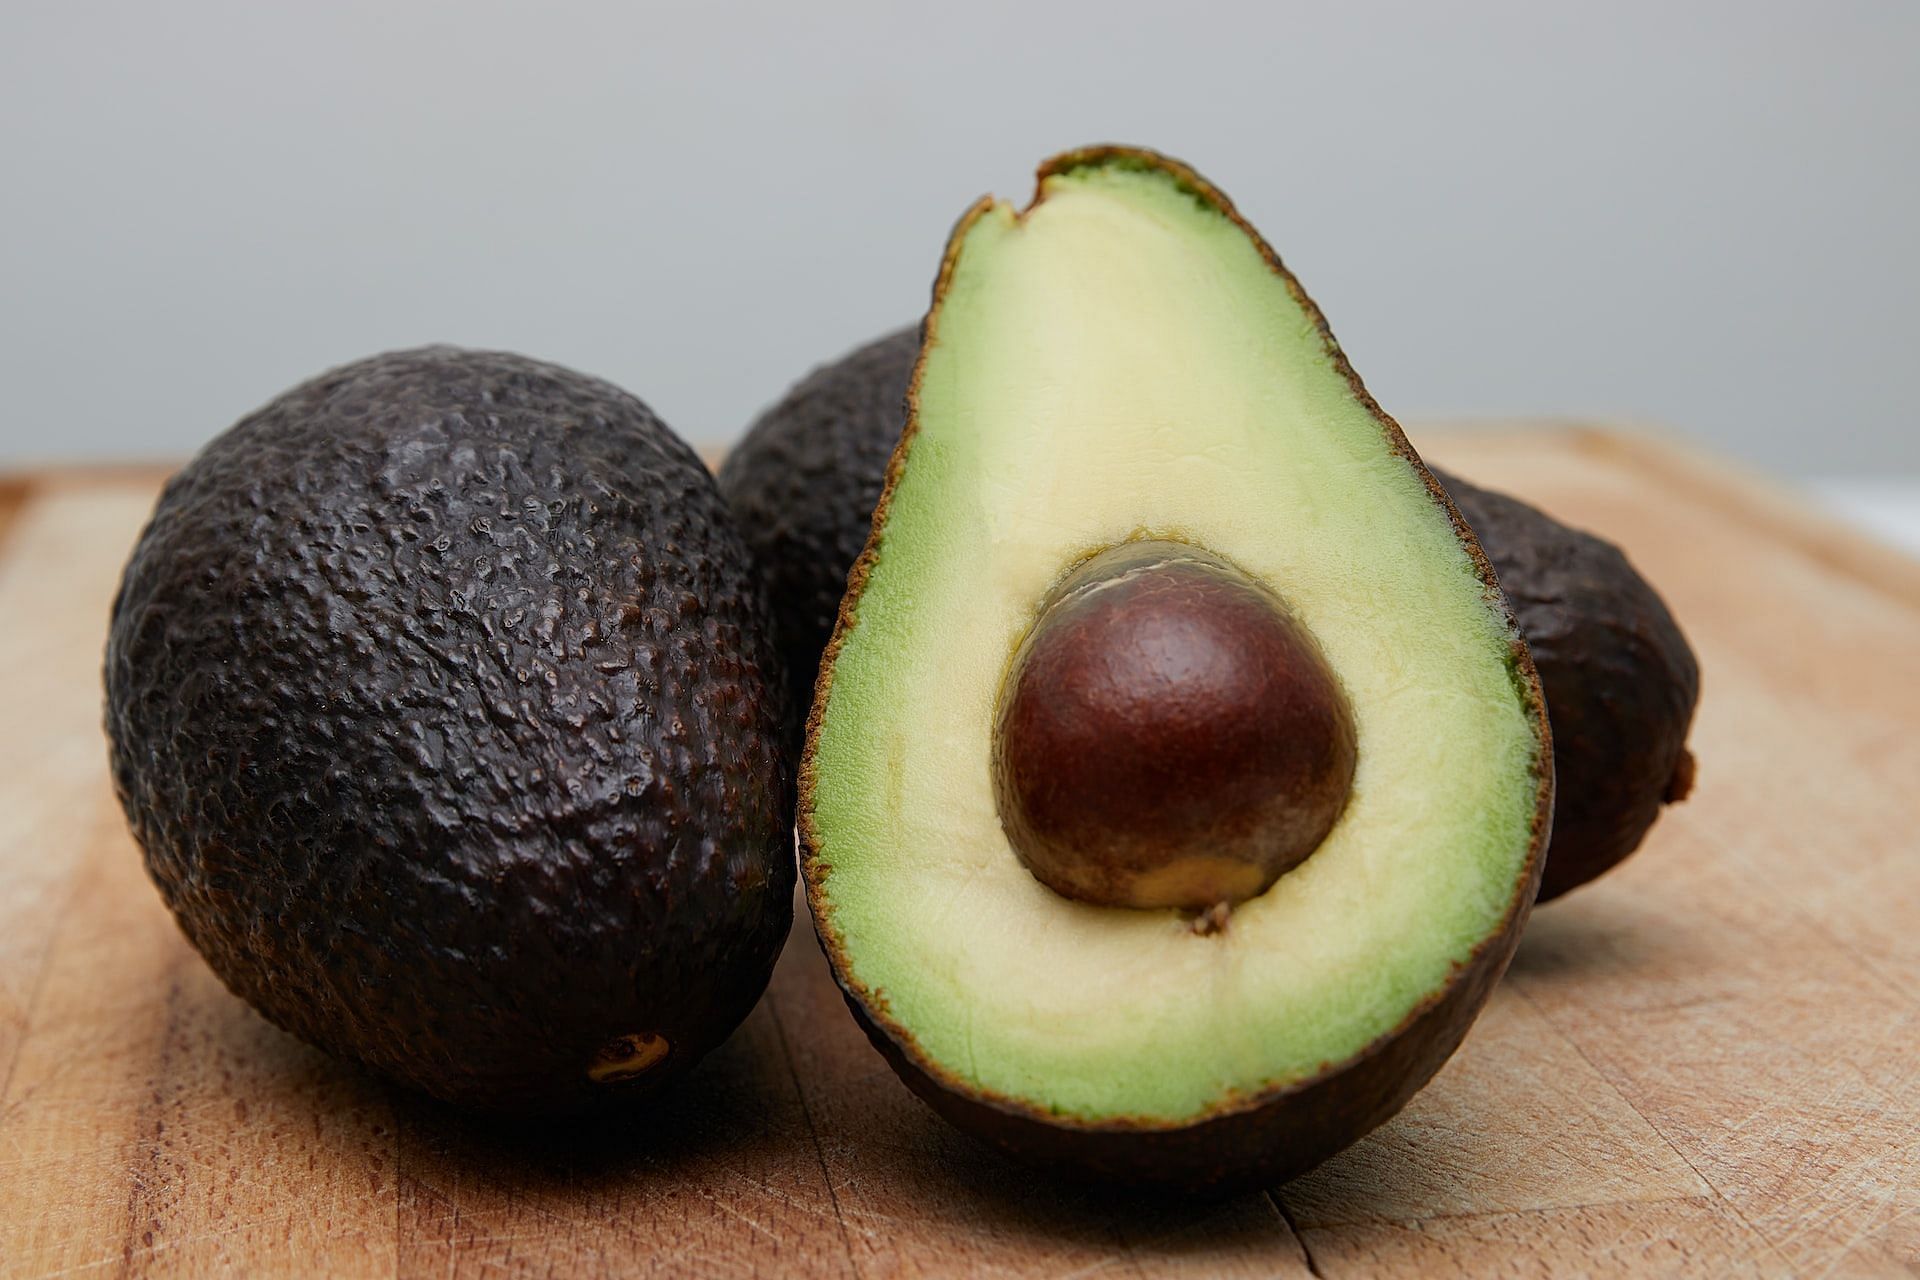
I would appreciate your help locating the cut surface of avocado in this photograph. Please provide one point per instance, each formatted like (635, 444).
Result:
(1122, 361)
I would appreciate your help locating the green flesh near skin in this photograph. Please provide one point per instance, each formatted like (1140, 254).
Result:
(1121, 361)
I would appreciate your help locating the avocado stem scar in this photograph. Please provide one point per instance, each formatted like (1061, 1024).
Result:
(625, 1057)
(1213, 920)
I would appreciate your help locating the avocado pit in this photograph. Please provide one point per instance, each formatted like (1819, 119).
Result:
(1168, 734)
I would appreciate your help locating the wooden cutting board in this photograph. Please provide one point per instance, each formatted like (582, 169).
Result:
(1703, 1065)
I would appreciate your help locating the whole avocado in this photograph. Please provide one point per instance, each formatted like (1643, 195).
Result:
(440, 700)
(1620, 680)
(802, 483)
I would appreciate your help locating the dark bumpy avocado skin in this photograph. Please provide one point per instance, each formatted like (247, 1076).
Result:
(803, 483)
(1619, 679)
(440, 700)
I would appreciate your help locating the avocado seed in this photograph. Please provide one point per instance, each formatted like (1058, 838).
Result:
(1169, 734)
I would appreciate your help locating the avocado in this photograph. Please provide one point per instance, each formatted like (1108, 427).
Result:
(803, 483)
(440, 698)
(1142, 504)
(1620, 679)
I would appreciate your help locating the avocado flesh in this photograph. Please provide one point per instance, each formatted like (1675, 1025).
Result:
(1123, 360)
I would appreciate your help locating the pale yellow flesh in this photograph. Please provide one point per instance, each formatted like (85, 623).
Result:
(1120, 361)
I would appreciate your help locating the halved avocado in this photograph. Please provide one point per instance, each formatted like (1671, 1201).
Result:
(1126, 362)
(1620, 678)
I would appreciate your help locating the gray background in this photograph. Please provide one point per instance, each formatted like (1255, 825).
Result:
(1705, 216)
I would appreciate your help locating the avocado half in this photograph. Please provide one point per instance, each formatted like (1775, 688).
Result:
(440, 698)
(1620, 679)
(1126, 362)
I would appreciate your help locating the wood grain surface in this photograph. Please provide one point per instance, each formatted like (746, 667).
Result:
(1706, 1064)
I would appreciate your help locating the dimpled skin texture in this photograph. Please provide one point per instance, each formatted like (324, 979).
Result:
(439, 697)
(803, 482)
(1619, 678)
